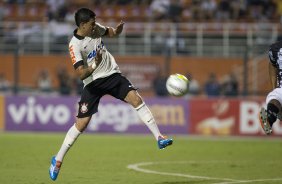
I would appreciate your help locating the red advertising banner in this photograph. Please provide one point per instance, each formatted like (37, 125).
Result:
(227, 117)
(213, 117)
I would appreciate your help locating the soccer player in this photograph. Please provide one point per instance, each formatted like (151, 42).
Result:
(101, 75)
(269, 115)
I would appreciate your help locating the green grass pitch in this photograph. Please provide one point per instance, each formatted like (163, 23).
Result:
(104, 159)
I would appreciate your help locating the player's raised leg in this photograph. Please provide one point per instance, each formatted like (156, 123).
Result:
(146, 116)
(71, 136)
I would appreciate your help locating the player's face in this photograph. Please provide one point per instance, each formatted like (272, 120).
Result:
(89, 27)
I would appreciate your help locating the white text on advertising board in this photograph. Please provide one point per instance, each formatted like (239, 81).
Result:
(121, 116)
(32, 112)
(249, 121)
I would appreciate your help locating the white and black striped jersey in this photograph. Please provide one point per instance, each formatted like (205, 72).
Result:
(83, 51)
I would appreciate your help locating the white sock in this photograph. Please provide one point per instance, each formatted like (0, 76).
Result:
(146, 116)
(70, 138)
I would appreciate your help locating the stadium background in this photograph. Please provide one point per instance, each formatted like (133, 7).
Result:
(195, 38)
(39, 89)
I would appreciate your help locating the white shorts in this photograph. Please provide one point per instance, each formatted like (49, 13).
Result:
(275, 94)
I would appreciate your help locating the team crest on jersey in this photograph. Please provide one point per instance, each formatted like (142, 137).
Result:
(83, 108)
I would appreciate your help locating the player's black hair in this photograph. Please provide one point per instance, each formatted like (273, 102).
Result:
(83, 15)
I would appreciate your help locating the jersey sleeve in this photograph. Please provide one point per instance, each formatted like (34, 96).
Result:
(75, 54)
(99, 30)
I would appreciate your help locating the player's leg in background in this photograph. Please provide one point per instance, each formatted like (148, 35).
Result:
(269, 115)
(146, 116)
(273, 109)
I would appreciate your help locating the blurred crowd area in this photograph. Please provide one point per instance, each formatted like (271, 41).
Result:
(214, 86)
(33, 38)
(44, 84)
(144, 10)
(69, 84)
(152, 26)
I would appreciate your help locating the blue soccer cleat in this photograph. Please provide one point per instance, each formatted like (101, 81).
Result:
(163, 142)
(54, 168)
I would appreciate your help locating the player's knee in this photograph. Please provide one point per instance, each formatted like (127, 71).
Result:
(137, 101)
(134, 99)
(272, 112)
(81, 124)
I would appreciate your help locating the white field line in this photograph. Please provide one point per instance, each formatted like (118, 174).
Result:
(137, 166)
(250, 181)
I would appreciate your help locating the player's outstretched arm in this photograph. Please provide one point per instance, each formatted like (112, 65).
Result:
(116, 31)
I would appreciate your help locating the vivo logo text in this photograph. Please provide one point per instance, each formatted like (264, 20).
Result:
(31, 112)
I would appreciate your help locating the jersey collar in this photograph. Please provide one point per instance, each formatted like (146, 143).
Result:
(77, 36)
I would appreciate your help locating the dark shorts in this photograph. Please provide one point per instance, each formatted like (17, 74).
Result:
(115, 85)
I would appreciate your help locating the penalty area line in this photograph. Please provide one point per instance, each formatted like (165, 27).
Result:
(137, 166)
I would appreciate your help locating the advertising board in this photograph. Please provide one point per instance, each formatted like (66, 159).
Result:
(223, 116)
(38, 113)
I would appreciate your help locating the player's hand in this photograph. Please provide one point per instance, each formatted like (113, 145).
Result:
(119, 27)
